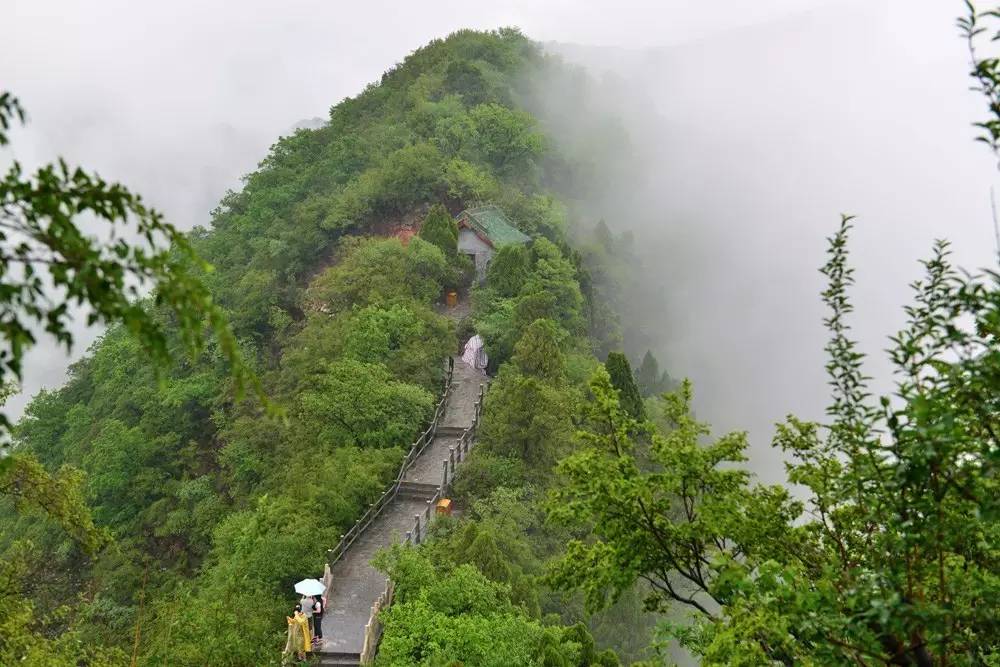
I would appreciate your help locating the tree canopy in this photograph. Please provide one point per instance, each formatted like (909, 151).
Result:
(150, 500)
(620, 372)
(440, 229)
(894, 561)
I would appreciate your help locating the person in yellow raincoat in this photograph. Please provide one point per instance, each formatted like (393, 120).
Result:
(299, 638)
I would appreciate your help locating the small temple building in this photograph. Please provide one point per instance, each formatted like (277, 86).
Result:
(484, 230)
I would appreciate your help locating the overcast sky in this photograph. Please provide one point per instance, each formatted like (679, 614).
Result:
(753, 141)
(761, 122)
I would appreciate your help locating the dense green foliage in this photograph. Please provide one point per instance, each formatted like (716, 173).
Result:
(620, 372)
(50, 266)
(457, 612)
(212, 504)
(896, 559)
(157, 503)
(440, 229)
(508, 270)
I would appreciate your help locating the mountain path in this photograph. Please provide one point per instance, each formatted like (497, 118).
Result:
(355, 584)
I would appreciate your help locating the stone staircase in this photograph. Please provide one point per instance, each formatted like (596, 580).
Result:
(356, 591)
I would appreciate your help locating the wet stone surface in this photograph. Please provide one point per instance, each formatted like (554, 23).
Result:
(356, 584)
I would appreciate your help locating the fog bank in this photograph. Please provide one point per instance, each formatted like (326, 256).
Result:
(748, 128)
(180, 99)
(749, 145)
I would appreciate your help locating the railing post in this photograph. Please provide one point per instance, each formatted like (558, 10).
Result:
(416, 531)
(444, 481)
(409, 537)
(451, 461)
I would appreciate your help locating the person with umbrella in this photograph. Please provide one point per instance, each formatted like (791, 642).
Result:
(309, 589)
(319, 606)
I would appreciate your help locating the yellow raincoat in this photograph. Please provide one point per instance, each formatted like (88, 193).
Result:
(299, 637)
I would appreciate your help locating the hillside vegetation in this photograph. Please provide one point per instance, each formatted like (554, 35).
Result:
(215, 507)
(595, 507)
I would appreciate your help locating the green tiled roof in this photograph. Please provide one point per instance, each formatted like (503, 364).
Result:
(494, 225)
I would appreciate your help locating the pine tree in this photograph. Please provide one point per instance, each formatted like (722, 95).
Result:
(441, 229)
(623, 380)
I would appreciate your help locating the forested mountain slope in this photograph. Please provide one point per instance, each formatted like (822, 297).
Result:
(588, 487)
(215, 507)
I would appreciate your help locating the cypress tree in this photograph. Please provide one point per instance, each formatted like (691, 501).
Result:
(440, 229)
(508, 269)
(648, 375)
(603, 236)
(628, 393)
(538, 352)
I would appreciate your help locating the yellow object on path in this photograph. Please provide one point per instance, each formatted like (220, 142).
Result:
(451, 298)
(444, 506)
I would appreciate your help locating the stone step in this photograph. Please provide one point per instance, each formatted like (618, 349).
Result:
(335, 659)
(419, 490)
(449, 431)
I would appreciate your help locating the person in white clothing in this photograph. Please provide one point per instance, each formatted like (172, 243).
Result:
(307, 610)
(475, 354)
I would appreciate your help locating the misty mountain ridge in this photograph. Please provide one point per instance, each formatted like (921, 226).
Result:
(547, 278)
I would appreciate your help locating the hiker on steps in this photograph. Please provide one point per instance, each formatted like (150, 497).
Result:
(307, 610)
(318, 608)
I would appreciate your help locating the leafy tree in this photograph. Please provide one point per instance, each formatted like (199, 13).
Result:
(527, 418)
(894, 562)
(408, 177)
(506, 137)
(508, 270)
(381, 272)
(553, 274)
(466, 79)
(22, 646)
(410, 340)
(50, 266)
(440, 229)
(123, 479)
(447, 614)
(483, 472)
(603, 236)
(538, 353)
(354, 403)
(620, 372)
(531, 307)
(31, 488)
(468, 183)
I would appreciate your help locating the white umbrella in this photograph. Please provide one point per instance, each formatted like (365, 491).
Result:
(310, 587)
